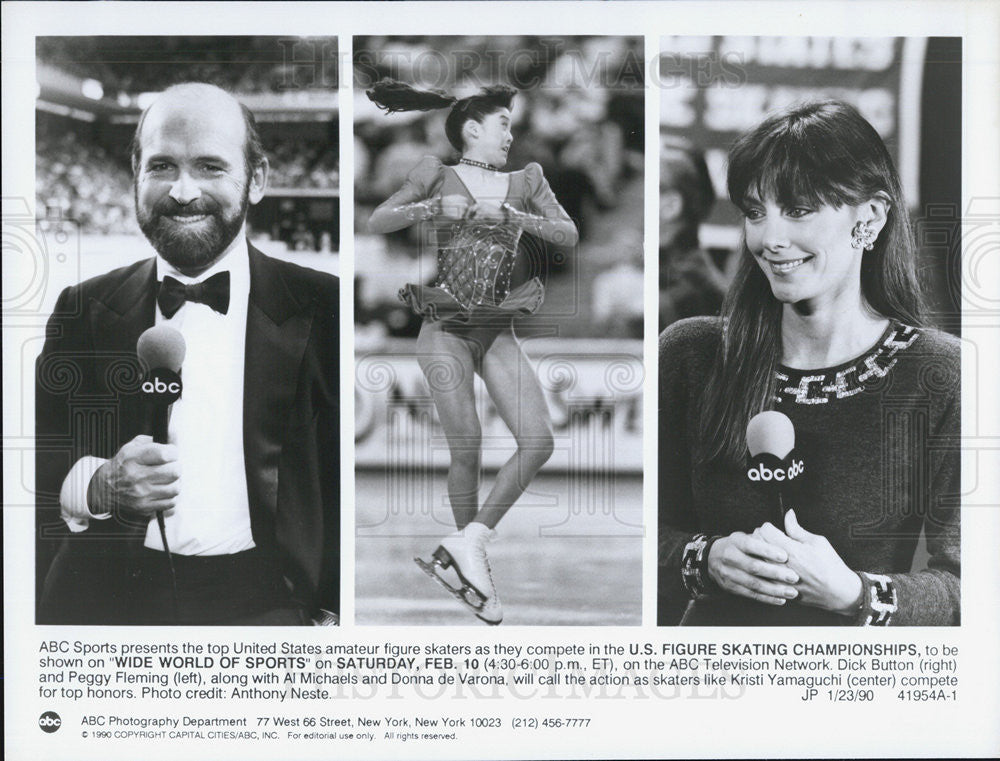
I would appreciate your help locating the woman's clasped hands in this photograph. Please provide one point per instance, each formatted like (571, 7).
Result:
(774, 566)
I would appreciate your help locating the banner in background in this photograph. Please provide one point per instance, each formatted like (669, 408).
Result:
(593, 389)
(714, 88)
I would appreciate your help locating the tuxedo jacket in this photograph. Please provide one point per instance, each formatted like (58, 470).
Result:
(88, 403)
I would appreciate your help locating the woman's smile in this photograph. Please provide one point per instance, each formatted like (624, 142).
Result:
(786, 266)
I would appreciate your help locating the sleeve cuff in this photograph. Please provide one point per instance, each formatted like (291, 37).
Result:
(879, 601)
(326, 618)
(73, 494)
(694, 566)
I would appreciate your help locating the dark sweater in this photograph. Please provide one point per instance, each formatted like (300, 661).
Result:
(880, 440)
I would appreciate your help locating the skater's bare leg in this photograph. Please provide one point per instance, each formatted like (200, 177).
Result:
(448, 366)
(514, 389)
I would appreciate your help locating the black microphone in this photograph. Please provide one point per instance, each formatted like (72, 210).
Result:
(161, 350)
(773, 462)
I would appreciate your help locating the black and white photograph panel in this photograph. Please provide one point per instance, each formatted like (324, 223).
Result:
(809, 364)
(187, 394)
(498, 329)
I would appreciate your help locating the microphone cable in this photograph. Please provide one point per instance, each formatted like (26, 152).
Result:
(174, 598)
(162, 349)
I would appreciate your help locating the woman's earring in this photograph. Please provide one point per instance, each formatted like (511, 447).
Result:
(862, 236)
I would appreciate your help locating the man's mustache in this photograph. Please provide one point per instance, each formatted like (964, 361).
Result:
(168, 207)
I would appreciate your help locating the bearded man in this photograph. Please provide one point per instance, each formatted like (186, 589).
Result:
(248, 481)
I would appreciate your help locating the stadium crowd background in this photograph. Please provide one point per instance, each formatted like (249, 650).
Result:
(92, 90)
(578, 113)
(237, 64)
(713, 88)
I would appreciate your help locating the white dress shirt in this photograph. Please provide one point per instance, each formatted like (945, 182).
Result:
(212, 513)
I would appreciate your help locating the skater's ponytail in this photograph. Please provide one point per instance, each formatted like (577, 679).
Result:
(391, 96)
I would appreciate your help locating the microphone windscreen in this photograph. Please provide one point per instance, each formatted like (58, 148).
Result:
(770, 432)
(161, 346)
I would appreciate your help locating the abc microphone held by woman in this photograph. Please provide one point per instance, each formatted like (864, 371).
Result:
(773, 462)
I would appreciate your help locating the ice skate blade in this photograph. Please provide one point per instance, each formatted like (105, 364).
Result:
(457, 593)
(443, 559)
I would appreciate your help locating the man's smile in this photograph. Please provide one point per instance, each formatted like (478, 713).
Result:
(188, 219)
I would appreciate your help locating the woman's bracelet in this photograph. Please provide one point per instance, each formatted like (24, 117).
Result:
(694, 566)
(878, 599)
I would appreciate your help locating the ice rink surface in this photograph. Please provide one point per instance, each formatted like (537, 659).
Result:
(555, 562)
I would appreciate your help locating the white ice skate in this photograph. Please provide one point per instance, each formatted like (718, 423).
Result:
(465, 553)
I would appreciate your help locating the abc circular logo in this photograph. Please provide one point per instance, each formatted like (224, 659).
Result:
(162, 386)
(49, 721)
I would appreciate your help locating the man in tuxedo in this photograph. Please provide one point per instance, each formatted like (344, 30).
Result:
(248, 483)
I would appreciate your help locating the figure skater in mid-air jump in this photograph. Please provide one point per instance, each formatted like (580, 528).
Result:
(477, 214)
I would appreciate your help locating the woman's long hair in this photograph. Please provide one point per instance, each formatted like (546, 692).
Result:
(821, 153)
(391, 96)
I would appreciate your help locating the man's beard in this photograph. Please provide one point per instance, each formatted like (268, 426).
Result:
(195, 247)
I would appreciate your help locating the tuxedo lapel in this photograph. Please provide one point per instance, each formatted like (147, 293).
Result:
(118, 319)
(278, 328)
(118, 316)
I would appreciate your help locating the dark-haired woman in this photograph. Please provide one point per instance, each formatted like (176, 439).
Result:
(824, 324)
(476, 214)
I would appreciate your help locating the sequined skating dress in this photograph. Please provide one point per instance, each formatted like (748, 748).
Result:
(476, 259)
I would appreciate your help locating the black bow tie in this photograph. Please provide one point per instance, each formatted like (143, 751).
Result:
(213, 292)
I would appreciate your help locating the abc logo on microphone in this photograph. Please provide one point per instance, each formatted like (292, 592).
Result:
(162, 386)
(767, 467)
